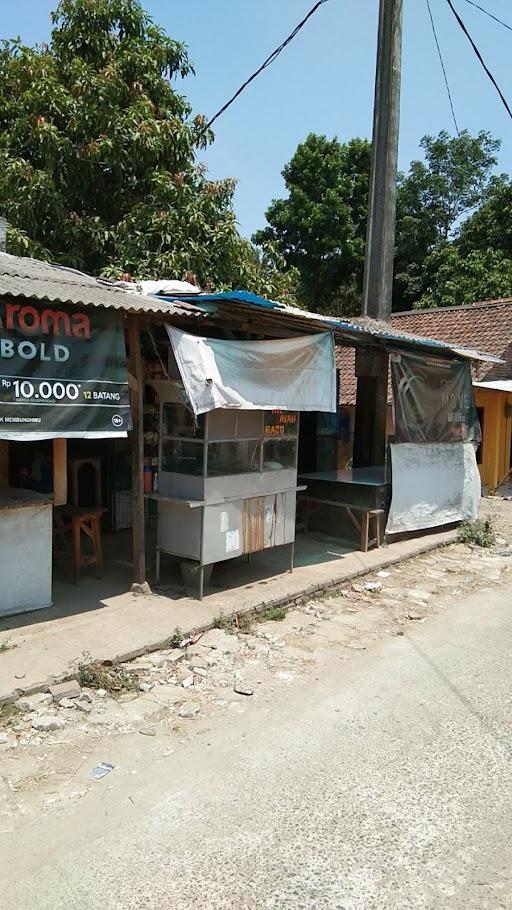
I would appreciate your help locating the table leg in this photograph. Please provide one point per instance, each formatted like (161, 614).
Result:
(365, 524)
(201, 582)
(157, 566)
(96, 538)
(292, 555)
(77, 555)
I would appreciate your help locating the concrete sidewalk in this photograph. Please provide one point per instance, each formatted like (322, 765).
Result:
(43, 645)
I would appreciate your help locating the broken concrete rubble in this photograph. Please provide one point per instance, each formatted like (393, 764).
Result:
(47, 722)
(218, 640)
(188, 709)
(241, 686)
(68, 689)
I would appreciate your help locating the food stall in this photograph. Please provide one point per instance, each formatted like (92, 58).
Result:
(227, 477)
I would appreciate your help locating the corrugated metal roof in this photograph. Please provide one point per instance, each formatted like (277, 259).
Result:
(354, 332)
(36, 280)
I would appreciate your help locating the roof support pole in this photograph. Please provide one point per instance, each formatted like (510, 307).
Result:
(370, 434)
(137, 445)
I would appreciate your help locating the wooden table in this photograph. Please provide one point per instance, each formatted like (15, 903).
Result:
(364, 494)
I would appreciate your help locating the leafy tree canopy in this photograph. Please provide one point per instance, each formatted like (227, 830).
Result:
(320, 228)
(452, 278)
(433, 198)
(97, 155)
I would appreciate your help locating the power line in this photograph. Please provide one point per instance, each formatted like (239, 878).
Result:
(273, 56)
(478, 54)
(443, 68)
(491, 16)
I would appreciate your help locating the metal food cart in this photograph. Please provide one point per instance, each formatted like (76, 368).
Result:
(227, 482)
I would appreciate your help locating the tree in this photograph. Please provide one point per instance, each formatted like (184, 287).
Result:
(490, 226)
(97, 153)
(320, 228)
(453, 278)
(433, 198)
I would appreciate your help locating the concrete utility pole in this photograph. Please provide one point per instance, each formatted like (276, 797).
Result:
(372, 369)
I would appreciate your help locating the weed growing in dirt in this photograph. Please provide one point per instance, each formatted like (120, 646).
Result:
(114, 680)
(7, 713)
(176, 638)
(480, 533)
(222, 622)
(273, 614)
(6, 646)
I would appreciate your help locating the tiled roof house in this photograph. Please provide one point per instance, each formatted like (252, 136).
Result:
(486, 325)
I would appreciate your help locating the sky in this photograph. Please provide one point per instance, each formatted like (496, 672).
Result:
(323, 82)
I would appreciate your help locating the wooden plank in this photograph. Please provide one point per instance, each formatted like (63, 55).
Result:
(137, 446)
(60, 472)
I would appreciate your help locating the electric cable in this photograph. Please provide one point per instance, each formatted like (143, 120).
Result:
(270, 59)
(443, 68)
(481, 59)
(491, 16)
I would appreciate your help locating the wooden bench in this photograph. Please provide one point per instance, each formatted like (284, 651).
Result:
(363, 525)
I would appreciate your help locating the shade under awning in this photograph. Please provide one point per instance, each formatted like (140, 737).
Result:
(293, 374)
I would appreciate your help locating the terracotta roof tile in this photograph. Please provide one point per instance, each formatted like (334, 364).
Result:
(485, 325)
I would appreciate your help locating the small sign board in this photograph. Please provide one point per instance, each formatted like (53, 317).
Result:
(280, 423)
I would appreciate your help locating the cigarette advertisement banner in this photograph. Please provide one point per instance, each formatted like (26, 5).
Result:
(62, 372)
(433, 400)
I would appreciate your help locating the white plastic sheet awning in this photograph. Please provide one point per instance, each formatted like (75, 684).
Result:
(293, 374)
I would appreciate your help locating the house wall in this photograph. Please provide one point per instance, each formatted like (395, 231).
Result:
(497, 435)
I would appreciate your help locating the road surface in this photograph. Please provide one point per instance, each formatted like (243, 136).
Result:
(383, 783)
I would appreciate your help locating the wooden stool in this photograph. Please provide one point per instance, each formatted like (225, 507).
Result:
(88, 522)
(368, 517)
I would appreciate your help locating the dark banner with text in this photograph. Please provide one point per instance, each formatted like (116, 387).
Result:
(62, 372)
(433, 400)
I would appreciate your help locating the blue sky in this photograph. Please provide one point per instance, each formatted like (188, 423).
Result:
(323, 82)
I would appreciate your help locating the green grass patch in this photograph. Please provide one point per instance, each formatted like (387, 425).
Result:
(272, 614)
(480, 533)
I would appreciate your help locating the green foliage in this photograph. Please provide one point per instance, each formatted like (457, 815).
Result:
(431, 200)
(320, 228)
(220, 621)
(176, 638)
(450, 278)
(97, 156)
(91, 675)
(8, 713)
(480, 533)
(490, 226)
(272, 614)
(6, 646)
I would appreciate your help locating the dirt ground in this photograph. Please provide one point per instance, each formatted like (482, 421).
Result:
(48, 750)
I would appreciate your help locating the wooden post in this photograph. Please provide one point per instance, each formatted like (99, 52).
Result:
(137, 441)
(371, 412)
(60, 472)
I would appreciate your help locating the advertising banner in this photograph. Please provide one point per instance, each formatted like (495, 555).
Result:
(433, 400)
(62, 372)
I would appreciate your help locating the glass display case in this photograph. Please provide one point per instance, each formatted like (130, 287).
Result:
(227, 483)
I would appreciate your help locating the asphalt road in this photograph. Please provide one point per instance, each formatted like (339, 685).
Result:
(385, 783)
